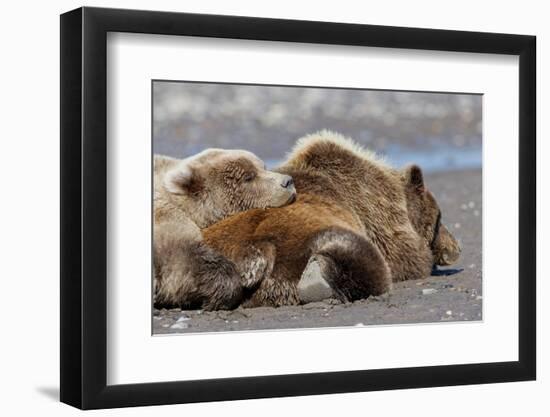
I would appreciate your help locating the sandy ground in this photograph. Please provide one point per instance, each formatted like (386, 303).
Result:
(454, 297)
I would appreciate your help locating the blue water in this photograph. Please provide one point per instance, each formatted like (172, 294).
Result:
(437, 159)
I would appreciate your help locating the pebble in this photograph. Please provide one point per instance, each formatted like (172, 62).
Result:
(183, 318)
(472, 266)
(179, 325)
(479, 297)
(471, 204)
(359, 325)
(464, 207)
(449, 313)
(428, 291)
(476, 213)
(457, 225)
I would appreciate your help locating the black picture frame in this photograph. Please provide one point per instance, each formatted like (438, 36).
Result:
(84, 207)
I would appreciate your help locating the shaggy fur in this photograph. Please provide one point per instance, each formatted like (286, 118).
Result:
(364, 223)
(193, 193)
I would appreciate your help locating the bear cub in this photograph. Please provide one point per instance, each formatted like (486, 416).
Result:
(192, 194)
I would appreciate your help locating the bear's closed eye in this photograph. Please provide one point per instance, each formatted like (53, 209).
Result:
(249, 176)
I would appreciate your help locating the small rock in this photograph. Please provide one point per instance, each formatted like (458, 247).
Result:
(448, 285)
(428, 291)
(359, 325)
(471, 204)
(472, 266)
(464, 207)
(479, 297)
(183, 318)
(457, 225)
(476, 213)
(179, 325)
(449, 313)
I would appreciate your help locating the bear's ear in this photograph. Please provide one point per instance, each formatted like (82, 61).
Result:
(415, 178)
(183, 179)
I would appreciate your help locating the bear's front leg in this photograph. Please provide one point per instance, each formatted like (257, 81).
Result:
(189, 274)
(345, 266)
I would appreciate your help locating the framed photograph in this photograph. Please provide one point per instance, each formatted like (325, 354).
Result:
(257, 208)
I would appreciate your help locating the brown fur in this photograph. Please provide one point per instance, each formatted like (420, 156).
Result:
(193, 193)
(368, 223)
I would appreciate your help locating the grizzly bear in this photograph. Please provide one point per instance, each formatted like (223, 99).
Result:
(357, 226)
(191, 194)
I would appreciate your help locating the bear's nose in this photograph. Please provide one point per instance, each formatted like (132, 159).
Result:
(287, 181)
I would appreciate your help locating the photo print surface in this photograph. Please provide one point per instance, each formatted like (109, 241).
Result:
(287, 207)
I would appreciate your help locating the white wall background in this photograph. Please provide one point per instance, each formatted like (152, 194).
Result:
(29, 219)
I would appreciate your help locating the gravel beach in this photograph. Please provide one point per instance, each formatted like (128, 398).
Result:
(438, 298)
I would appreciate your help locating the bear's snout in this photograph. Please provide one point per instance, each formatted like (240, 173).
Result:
(450, 256)
(287, 181)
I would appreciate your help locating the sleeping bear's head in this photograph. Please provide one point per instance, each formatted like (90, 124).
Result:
(425, 215)
(217, 183)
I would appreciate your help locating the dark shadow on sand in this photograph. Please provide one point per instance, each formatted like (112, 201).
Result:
(436, 272)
